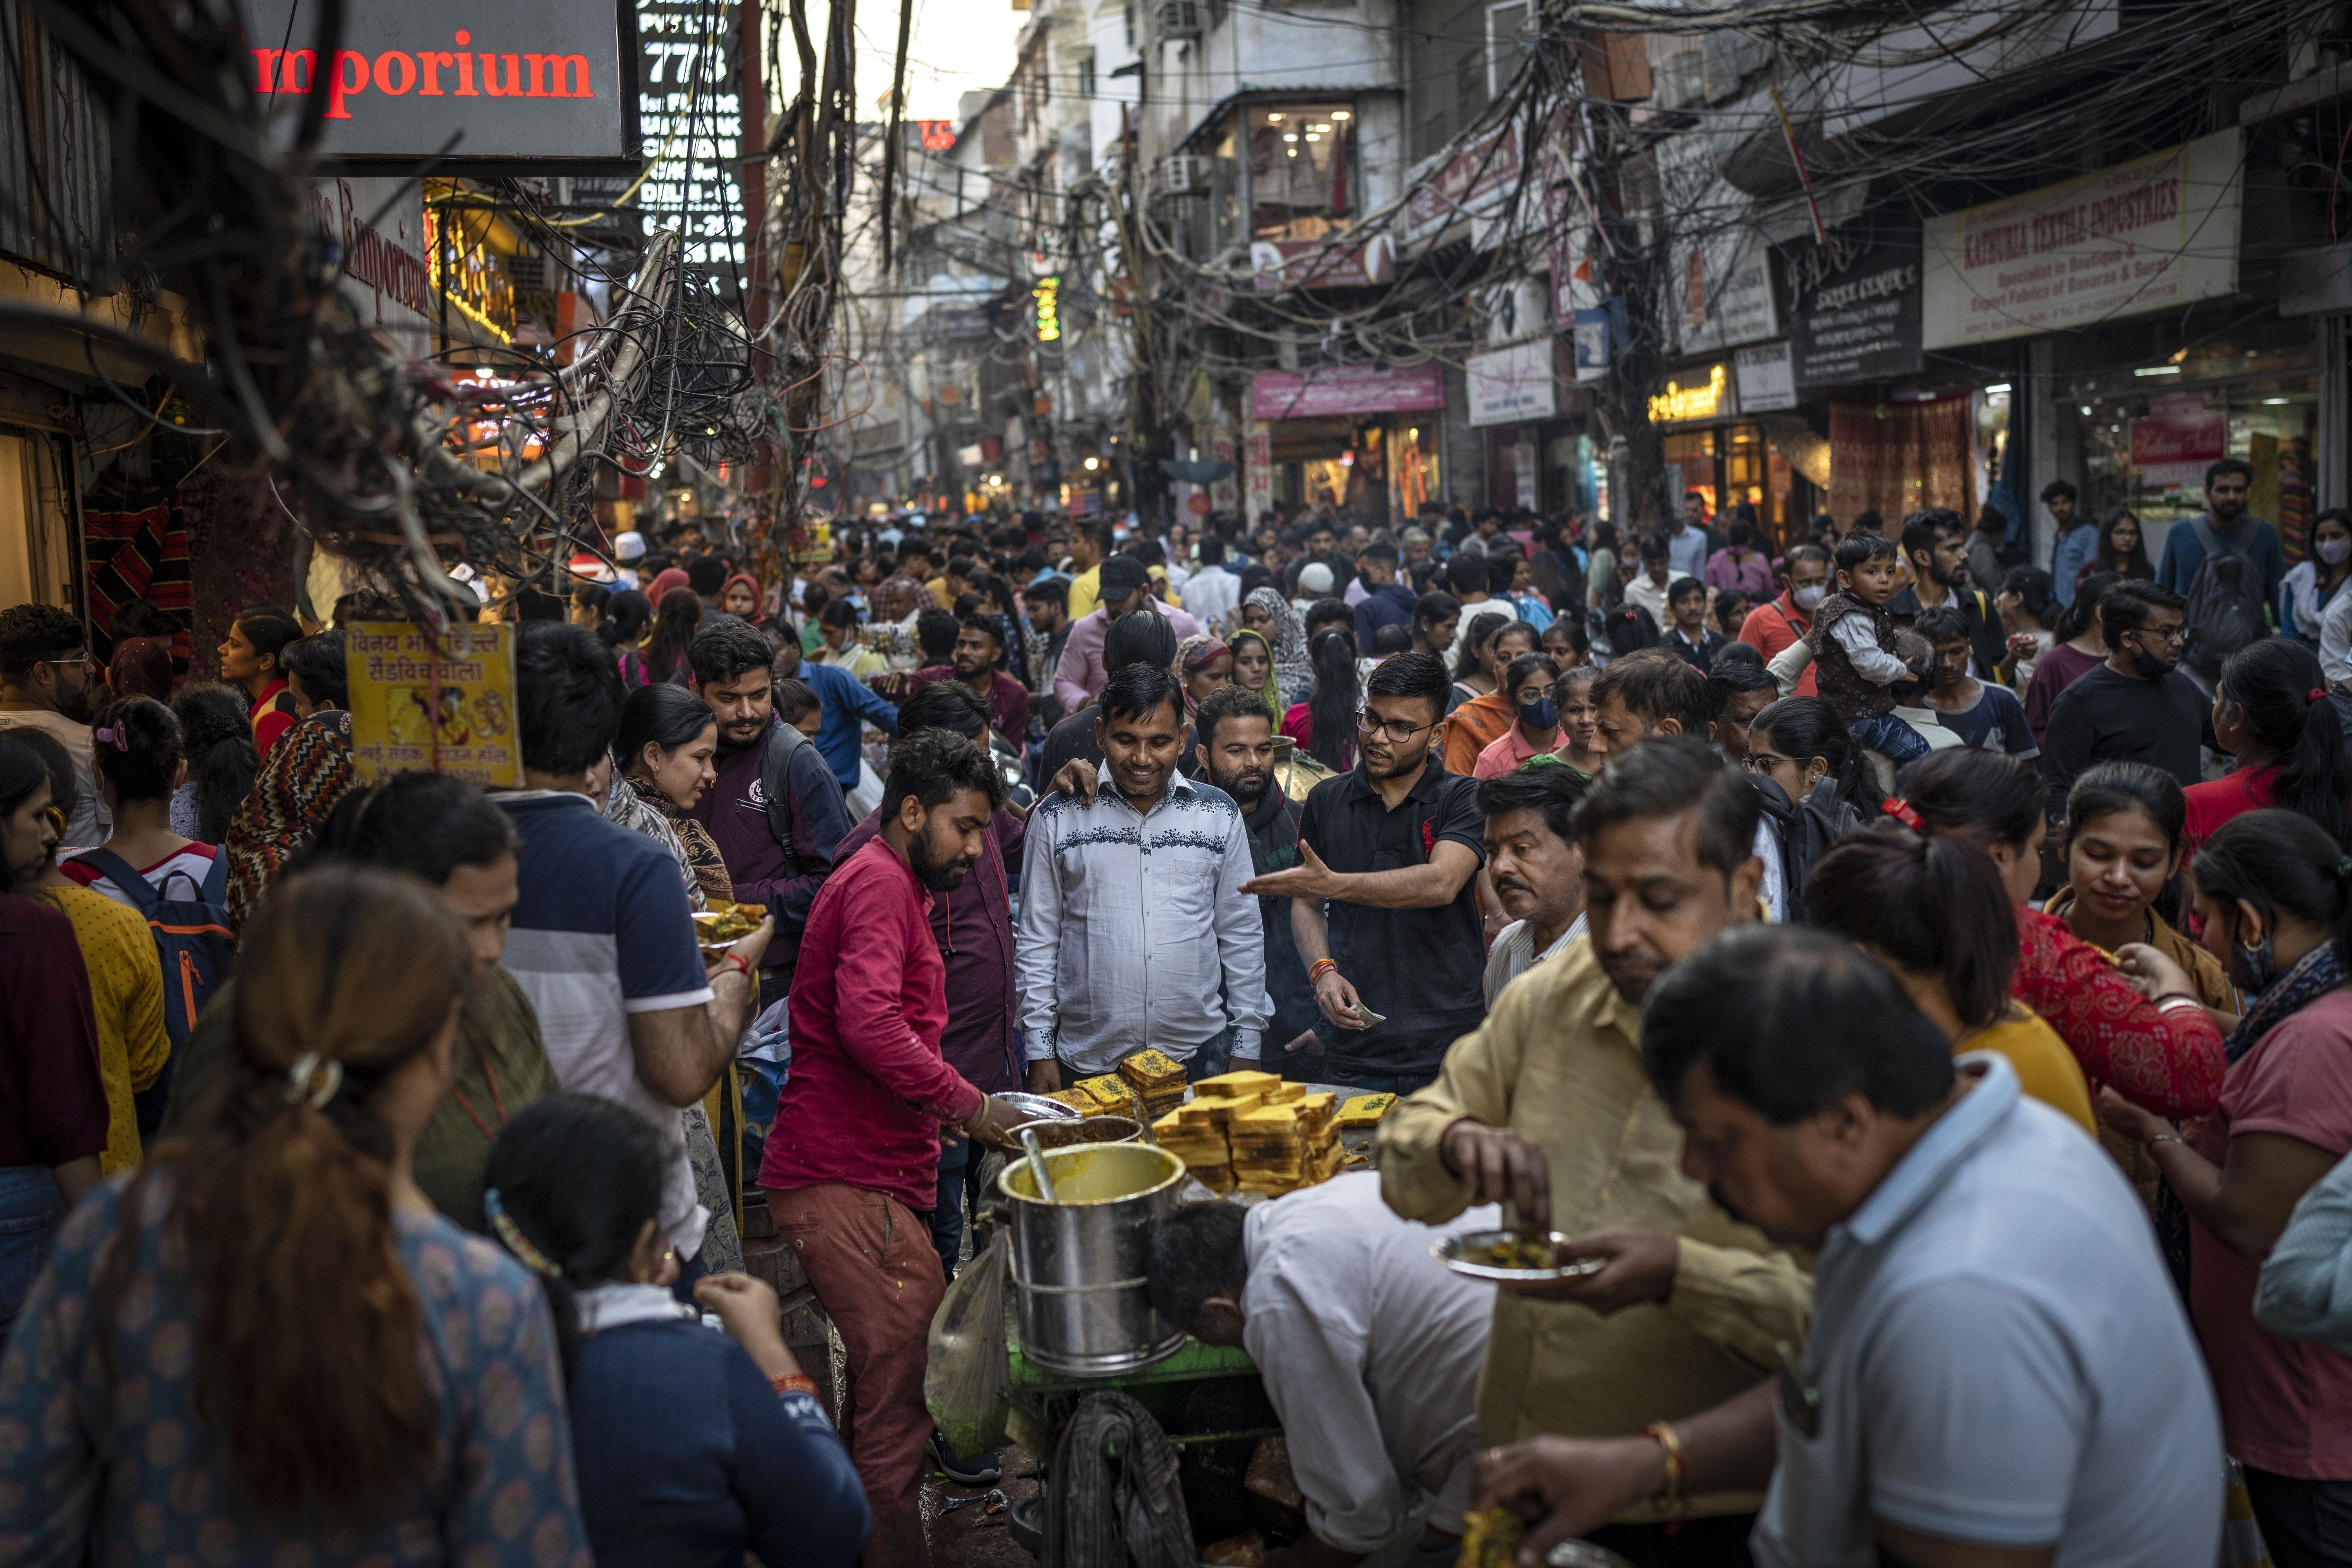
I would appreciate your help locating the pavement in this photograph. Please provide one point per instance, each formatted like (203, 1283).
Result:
(968, 1538)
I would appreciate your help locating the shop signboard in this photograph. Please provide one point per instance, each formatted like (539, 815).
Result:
(537, 81)
(448, 710)
(2153, 234)
(1722, 291)
(1701, 393)
(1279, 264)
(1513, 384)
(1856, 322)
(1764, 380)
(2177, 439)
(377, 226)
(1257, 469)
(1331, 390)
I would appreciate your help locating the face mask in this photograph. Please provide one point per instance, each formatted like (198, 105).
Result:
(2334, 550)
(2252, 967)
(1808, 596)
(1542, 714)
(2151, 668)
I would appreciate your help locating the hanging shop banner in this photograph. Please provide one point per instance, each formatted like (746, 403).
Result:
(451, 710)
(537, 81)
(2150, 235)
(1514, 383)
(1279, 264)
(1345, 389)
(1592, 336)
(1764, 380)
(1719, 276)
(377, 229)
(691, 120)
(1257, 468)
(1856, 321)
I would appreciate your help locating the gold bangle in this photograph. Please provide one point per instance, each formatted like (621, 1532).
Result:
(1671, 1502)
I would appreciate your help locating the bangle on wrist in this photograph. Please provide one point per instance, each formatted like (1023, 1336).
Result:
(793, 1383)
(1671, 1502)
(2172, 1001)
(2168, 1138)
(1321, 966)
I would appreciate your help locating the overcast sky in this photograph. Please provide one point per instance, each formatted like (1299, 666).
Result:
(956, 46)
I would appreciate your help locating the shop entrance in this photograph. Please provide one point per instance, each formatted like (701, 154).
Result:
(1731, 463)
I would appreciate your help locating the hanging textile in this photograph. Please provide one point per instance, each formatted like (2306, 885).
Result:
(1894, 458)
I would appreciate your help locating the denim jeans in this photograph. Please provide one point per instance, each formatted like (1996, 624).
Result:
(1214, 1056)
(1890, 737)
(958, 1180)
(30, 1209)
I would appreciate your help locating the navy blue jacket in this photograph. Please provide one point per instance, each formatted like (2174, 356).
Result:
(689, 1458)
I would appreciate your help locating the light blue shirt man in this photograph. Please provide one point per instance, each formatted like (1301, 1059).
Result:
(1999, 1358)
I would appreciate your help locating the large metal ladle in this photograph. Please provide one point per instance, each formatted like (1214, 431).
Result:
(1037, 1165)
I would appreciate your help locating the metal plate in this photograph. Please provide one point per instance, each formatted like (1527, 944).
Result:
(1038, 1106)
(1459, 1253)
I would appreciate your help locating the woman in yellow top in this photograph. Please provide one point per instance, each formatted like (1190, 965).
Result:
(126, 980)
(1936, 914)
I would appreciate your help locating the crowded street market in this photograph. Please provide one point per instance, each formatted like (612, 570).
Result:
(1283, 786)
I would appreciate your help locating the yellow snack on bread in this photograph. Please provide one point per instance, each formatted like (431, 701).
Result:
(1151, 1070)
(1365, 1110)
(1286, 1094)
(1233, 1084)
(1490, 1540)
(1075, 1099)
(1220, 1111)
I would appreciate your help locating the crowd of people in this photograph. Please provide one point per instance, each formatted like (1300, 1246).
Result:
(1912, 980)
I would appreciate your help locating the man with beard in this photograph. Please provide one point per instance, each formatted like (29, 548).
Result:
(1384, 904)
(1534, 866)
(978, 663)
(1544, 1107)
(1936, 544)
(46, 675)
(779, 849)
(1133, 932)
(1235, 752)
(852, 1163)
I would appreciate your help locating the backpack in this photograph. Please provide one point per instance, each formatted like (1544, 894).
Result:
(775, 788)
(2225, 602)
(195, 943)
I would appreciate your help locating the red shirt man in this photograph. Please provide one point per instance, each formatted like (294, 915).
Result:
(852, 1162)
(1774, 625)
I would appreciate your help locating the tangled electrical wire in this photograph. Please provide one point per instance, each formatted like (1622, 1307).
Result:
(401, 467)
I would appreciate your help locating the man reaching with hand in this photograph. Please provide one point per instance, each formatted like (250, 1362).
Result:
(1545, 1108)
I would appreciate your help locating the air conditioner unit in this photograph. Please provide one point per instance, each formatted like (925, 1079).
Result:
(1183, 172)
(1179, 19)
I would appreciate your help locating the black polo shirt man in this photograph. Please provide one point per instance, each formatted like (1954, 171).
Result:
(1387, 891)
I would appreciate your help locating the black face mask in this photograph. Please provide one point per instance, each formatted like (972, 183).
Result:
(2151, 668)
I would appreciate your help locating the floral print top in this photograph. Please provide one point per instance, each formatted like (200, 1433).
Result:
(130, 1474)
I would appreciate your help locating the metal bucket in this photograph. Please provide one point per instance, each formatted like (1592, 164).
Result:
(1079, 1264)
(1083, 1130)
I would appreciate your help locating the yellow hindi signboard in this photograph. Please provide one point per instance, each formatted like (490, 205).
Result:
(446, 710)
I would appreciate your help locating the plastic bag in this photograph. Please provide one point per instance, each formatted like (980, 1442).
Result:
(966, 1383)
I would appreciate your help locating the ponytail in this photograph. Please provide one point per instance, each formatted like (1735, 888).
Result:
(2277, 689)
(572, 1184)
(1334, 699)
(308, 1369)
(1933, 905)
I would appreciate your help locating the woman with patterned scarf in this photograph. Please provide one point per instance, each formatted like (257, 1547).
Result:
(661, 765)
(305, 777)
(1267, 613)
(2274, 894)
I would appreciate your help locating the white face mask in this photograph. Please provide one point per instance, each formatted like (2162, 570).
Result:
(2334, 551)
(1806, 597)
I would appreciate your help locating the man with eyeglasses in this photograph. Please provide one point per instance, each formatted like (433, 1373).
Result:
(46, 677)
(1384, 904)
(2136, 707)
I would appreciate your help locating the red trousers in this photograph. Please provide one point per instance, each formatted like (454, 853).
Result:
(870, 1262)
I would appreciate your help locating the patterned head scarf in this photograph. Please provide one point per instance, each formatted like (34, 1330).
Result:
(1292, 670)
(1194, 655)
(1271, 690)
(304, 778)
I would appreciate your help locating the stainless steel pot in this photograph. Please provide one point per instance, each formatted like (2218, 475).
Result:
(1079, 1264)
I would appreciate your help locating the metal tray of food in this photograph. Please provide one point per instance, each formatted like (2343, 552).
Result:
(1496, 1255)
(1039, 1107)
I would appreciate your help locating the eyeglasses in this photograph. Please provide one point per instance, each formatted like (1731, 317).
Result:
(2168, 634)
(1763, 762)
(1398, 734)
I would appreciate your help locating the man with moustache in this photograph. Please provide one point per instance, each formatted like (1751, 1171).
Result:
(778, 853)
(1133, 932)
(1533, 864)
(1546, 1106)
(1235, 752)
(852, 1163)
(47, 677)
(978, 664)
